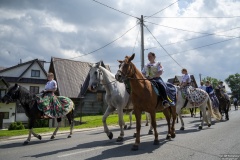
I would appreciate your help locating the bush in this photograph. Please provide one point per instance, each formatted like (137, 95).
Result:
(16, 126)
(41, 123)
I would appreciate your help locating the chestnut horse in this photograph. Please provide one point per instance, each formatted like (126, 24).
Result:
(144, 98)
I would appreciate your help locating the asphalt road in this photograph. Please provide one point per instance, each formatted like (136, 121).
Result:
(220, 141)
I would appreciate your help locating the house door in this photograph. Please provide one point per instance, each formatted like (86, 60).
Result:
(1, 119)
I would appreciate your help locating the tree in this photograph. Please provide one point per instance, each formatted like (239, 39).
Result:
(233, 81)
(212, 81)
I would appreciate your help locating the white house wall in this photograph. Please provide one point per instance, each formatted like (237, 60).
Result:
(35, 66)
(11, 108)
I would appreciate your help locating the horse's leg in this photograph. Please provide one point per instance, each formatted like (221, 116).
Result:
(121, 125)
(226, 110)
(203, 109)
(30, 133)
(148, 116)
(174, 116)
(154, 125)
(55, 132)
(70, 117)
(168, 118)
(138, 128)
(178, 111)
(130, 119)
(104, 118)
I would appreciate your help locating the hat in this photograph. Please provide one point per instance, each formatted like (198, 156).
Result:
(221, 82)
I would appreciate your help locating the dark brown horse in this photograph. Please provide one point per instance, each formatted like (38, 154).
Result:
(29, 103)
(224, 103)
(144, 98)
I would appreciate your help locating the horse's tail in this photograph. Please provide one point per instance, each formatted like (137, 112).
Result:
(213, 112)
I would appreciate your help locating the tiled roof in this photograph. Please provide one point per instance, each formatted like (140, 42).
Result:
(70, 75)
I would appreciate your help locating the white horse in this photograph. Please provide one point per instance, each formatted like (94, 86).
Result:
(206, 103)
(117, 97)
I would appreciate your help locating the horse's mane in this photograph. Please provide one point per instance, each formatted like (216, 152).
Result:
(107, 72)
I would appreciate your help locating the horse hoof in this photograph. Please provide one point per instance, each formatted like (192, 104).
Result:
(209, 125)
(39, 137)
(173, 135)
(168, 137)
(146, 124)
(200, 127)
(69, 136)
(119, 139)
(125, 126)
(156, 142)
(110, 136)
(182, 128)
(135, 134)
(25, 142)
(134, 147)
(150, 132)
(52, 137)
(129, 127)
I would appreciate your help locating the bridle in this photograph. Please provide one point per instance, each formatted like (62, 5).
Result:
(98, 75)
(131, 70)
(10, 97)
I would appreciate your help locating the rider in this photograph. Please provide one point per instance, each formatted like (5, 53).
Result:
(186, 86)
(153, 70)
(202, 86)
(223, 90)
(46, 101)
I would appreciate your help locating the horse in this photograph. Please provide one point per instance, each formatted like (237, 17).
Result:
(235, 103)
(224, 103)
(206, 102)
(29, 103)
(116, 97)
(144, 98)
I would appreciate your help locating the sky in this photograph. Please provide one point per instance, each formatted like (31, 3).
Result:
(200, 35)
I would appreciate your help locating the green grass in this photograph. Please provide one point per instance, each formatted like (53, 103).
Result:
(88, 122)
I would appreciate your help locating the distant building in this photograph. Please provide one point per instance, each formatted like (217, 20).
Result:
(30, 75)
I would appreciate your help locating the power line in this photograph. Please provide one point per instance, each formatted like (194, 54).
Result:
(199, 17)
(161, 9)
(163, 47)
(188, 30)
(135, 41)
(204, 46)
(104, 45)
(115, 9)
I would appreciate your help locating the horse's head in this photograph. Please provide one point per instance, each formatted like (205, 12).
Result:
(95, 74)
(12, 94)
(126, 69)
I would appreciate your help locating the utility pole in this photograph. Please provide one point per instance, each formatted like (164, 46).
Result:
(200, 76)
(142, 42)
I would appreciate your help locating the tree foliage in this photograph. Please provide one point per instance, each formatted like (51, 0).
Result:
(233, 81)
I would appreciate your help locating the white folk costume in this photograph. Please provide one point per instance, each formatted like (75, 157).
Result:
(167, 91)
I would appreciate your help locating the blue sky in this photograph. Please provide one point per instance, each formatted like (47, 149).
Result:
(200, 35)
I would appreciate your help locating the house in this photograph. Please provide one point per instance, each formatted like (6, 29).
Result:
(177, 80)
(30, 75)
(71, 77)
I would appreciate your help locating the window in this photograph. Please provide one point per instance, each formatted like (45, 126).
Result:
(34, 89)
(35, 73)
(5, 115)
(2, 93)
